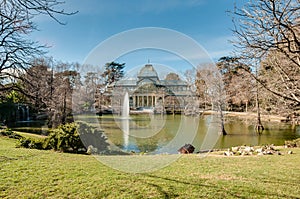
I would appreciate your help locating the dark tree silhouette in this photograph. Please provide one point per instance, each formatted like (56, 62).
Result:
(113, 72)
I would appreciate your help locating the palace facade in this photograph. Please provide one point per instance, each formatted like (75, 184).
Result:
(147, 91)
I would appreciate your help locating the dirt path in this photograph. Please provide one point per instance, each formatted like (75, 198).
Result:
(251, 115)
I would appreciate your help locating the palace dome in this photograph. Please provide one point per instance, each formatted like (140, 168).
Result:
(147, 71)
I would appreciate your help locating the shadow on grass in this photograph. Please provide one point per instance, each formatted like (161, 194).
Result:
(215, 189)
(185, 183)
(165, 194)
(5, 159)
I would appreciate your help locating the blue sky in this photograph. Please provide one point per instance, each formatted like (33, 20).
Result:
(205, 21)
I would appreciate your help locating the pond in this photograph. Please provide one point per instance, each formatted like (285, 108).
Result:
(167, 133)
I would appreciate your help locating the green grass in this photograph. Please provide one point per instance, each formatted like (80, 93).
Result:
(33, 130)
(30, 135)
(26, 173)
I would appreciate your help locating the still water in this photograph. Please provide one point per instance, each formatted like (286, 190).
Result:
(167, 133)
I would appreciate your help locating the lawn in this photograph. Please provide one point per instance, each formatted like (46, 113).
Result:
(27, 173)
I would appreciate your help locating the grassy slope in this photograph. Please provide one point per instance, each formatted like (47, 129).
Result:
(26, 173)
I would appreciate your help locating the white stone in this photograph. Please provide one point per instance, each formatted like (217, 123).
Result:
(259, 150)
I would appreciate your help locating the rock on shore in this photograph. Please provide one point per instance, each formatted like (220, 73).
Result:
(250, 150)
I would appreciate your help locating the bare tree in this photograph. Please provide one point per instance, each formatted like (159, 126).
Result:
(16, 21)
(209, 76)
(65, 81)
(90, 82)
(278, 72)
(37, 83)
(262, 26)
(238, 83)
(49, 87)
(268, 31)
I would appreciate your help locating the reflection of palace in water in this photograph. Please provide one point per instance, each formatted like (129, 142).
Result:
(147, 91)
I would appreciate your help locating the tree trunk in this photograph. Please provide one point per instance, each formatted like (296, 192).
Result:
(222, 121)
(64, 116)
(259, 128)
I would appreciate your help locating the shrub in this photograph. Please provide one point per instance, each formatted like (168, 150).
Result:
(9, 133)
(65, 138)
(23, 142)
(31, 143)
(93, 137)
(6, 132)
